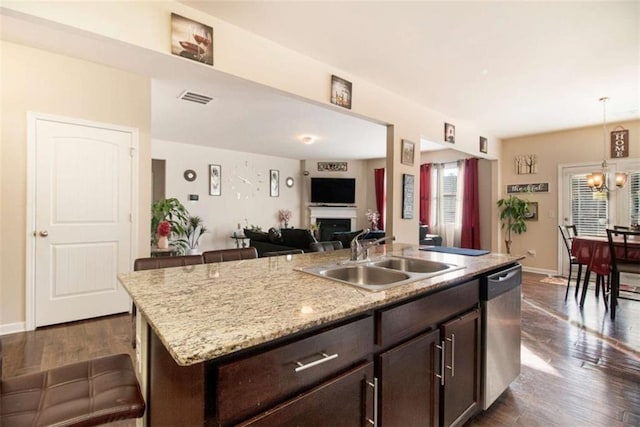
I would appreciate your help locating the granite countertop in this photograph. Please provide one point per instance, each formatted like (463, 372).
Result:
(206, 311)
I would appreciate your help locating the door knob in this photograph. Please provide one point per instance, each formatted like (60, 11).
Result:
(44, 233)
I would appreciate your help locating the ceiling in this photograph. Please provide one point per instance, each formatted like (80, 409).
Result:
(529, 68)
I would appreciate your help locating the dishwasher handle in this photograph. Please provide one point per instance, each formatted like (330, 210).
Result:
(500, 282)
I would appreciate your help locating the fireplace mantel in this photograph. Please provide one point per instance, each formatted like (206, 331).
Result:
(319, 212)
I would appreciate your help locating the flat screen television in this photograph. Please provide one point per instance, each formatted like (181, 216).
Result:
(335, 191)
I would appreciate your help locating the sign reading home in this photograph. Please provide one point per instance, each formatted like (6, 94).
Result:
(542, 187)
(619, 143)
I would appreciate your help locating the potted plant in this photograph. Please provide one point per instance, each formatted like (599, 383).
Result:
(194, 231)
(512, 216)
(171, 211)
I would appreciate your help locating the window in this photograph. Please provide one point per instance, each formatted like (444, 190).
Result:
(449, 192)
(633, 184)
(589, 209)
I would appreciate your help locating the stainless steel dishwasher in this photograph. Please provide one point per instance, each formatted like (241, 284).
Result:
(500, 295)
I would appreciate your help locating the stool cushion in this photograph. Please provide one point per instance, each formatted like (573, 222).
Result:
(87, 393)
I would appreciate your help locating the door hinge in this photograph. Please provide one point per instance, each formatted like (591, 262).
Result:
(130, 218)
(131, 151)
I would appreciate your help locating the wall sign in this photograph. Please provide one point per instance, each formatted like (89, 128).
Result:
(332, 166)
(542, 187)
(619, 143)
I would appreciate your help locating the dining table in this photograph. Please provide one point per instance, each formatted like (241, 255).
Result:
(593, 251)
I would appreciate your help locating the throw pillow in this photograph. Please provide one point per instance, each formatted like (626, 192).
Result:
(275, 236)
(297, 237)
(256, 236)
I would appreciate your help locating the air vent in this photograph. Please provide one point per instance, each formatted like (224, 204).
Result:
(195, 97)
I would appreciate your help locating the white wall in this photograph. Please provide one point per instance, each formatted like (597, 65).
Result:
(245, 188)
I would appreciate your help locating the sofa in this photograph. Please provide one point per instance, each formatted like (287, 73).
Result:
(280, 240)
(345, 237)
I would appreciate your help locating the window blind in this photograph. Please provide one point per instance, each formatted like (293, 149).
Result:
(450, 186)
(589, 209)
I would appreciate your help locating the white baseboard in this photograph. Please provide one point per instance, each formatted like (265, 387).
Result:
(539, 271)
(12, 328)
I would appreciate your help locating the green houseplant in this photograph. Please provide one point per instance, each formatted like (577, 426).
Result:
(194, 231)
(172, 211)
(513, 210)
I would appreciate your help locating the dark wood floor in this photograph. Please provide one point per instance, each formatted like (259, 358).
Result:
(578, 367)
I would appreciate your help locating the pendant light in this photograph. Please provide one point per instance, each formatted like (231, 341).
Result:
(597, 181)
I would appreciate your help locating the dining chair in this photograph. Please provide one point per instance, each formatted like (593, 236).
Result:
(224, 255)
(327, 246)
(625, 258)
(568, 233)
(286, 252)
(153, 263)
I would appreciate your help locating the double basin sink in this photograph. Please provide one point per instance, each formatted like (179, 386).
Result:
(383, 273)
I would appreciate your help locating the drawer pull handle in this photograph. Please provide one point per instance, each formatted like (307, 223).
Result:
(374, 385)
(325, 358)
(453, 355)
(442, 350)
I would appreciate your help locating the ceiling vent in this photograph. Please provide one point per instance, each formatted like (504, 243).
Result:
(195, 97)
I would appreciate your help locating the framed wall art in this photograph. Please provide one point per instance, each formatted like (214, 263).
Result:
(532, 212)
(408, 152)
(450, 133)
(483, 144)
(407, 196)
(341, 92)
(274, 183)
(215, 180)
(191, 39)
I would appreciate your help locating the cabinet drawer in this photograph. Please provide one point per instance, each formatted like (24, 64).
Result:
(406, 320)
(253, 384)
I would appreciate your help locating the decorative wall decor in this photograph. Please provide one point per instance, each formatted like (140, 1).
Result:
(407, 196)
(542, 187)
(332, 166)
(483, 145)
(190, 175)
(408, 152)
(274, 183)
(450, 133)
(532, 212)
(215, 180)
(191, 39)
(341, 92)
(619, 143)
(526, 164)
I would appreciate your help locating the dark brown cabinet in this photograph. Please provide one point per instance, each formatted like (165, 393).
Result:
(347, 400)
(409, 387)
(461, 389)
(424, 354)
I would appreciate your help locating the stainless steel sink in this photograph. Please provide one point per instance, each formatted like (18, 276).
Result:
(381, 274)
(412, 265)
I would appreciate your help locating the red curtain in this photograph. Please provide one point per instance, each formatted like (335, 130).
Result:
(425, 193)
(470, 235)
(378, 177)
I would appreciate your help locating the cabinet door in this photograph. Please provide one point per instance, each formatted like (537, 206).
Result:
(347, 400)
(461, 392)
(409, 388)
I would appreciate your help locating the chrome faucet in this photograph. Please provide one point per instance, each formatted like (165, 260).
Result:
(361, 251)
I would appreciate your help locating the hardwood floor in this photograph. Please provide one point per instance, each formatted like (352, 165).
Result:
(578, 367)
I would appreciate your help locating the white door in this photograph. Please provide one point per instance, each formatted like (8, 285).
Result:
(590, 211)
(82, 223)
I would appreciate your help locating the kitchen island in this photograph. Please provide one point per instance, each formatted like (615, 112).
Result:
(214, 337)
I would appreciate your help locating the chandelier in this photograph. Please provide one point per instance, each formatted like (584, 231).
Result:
(597, 181)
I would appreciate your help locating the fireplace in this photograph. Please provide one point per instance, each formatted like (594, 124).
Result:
(328, 226)
(332, 219)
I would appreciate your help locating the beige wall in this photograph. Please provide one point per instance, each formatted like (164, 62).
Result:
(553, 149)
(38, 81)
